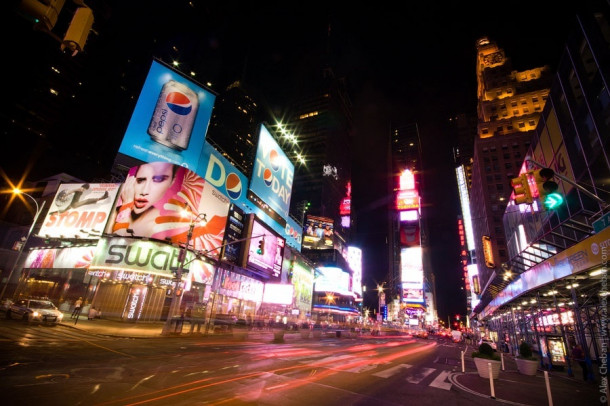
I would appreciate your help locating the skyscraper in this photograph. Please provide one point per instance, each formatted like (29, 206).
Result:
(509, 106)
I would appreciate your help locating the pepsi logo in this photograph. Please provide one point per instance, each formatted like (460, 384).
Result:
(233, 186)
(179, 103)
(275, 160)
(268, 177)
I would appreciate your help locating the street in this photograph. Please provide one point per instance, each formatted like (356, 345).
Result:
(58, 365)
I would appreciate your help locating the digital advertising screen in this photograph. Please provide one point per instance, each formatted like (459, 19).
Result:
(79, 210)
(160, 200)
(411, 265)
(332, 279)
(318, 233)
(272, 175)
(278, 293)
(170, 120)
(270, 260)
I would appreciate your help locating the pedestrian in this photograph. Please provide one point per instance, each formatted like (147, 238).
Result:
(77, 308)
(578, 355)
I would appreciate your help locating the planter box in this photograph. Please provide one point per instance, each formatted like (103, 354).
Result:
(317, 333)
(483, 368)
(305, 333)
(526, 366)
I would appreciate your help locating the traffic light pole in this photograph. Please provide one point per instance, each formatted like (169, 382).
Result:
(571, 182)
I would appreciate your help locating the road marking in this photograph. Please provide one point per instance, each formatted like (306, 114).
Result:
(420, 375)
(386, 373)
(439, 381)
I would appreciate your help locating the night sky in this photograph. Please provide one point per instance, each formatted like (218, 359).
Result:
(404, 63)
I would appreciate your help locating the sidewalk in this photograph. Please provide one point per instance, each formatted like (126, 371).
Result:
(515, 388)
(511, 387)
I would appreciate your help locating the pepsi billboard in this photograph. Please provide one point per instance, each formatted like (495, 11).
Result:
(170, 120)
(218, 171)
(272, 175)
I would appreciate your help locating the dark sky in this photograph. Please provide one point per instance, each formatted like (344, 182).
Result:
(405, 62)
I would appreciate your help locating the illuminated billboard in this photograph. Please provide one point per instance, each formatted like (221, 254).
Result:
(160, 200)
(318, 233)
(407, 200)
(79, 210)
(170, 120)
(71, 257)
(411, 265)
(218, 171)
(354, 259)
(409, 235)
(278, 293)
(269, 262)
(151, 257)
(302, 280)
(272, 176)
(412, 292)
(332, 279)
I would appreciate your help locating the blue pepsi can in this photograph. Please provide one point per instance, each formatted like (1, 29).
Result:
(174, 116)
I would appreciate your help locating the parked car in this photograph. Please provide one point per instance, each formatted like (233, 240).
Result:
(5, 305)
(35, 311)
(488, 341)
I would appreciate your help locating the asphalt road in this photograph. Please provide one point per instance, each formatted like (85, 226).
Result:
(61, 366)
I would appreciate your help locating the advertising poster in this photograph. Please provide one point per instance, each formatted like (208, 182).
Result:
(170, 120)
(79, 210)
(49, 258)
(218, 171)
(162, 201)
(318, 233)
(272, 175)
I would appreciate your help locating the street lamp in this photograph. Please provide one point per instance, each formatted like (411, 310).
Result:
(27, 238)
(177, 294)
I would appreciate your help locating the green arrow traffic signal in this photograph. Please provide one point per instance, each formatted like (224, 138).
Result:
(553, 201)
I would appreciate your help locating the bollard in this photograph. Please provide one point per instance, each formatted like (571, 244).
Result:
(491, 380)
(463, 369)
(548, 388)
(502, 359)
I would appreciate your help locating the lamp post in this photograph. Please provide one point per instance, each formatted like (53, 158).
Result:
(177, 294)
(27, 238)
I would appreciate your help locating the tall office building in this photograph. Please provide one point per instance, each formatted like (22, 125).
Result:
(321, 119)
(509, 106)
(408, 280)
(234, 125)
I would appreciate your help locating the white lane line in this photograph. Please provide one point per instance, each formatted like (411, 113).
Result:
(386, 373)
(439, 381)
(420, 375)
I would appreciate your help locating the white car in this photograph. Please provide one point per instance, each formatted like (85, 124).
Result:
(35, 311)
(490, 342)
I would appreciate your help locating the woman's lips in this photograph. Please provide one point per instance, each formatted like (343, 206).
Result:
(140, 203)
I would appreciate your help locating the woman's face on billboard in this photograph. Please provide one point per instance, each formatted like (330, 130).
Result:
(152, 181)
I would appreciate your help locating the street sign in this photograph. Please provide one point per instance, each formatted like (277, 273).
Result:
(601, 223)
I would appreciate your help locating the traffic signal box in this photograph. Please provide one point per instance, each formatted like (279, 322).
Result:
(522, 190)
(261, 247)
(547, 189)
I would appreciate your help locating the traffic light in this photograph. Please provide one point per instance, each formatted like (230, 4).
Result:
(522, 190)
(261, 247)
(41, 12)
(547, 189)
(78, 31)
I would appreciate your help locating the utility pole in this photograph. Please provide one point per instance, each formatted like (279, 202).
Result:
(177, 294)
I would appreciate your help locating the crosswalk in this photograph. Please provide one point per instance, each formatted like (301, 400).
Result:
(357, 364)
